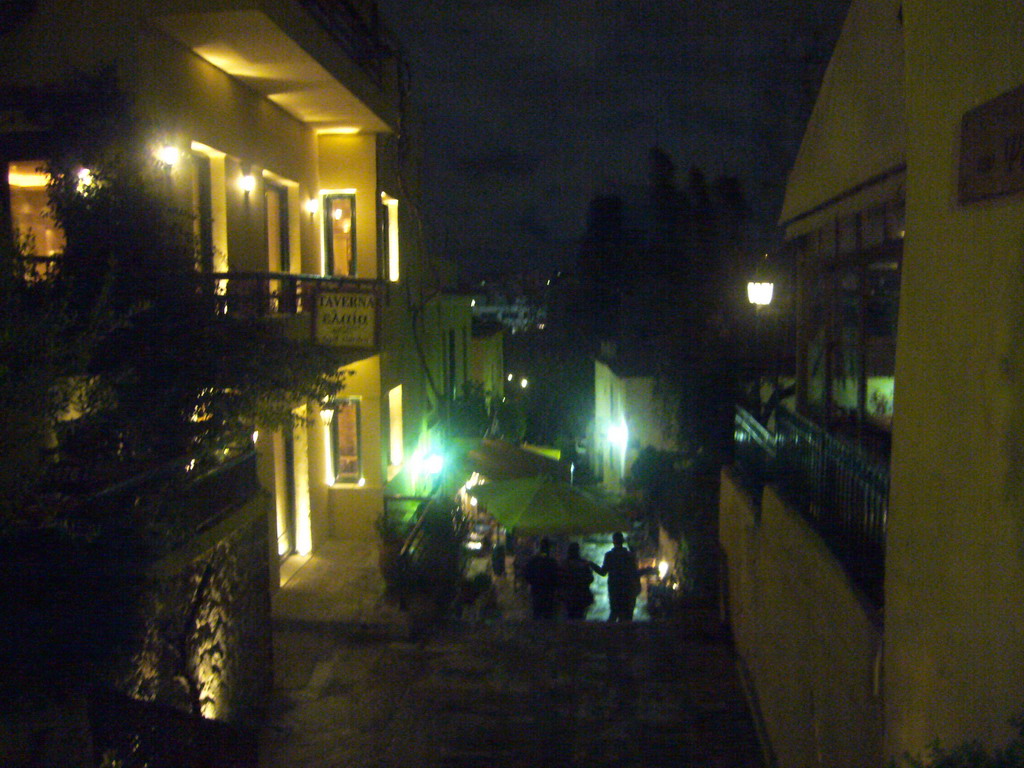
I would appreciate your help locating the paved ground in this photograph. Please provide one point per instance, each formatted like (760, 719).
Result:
(505, 692)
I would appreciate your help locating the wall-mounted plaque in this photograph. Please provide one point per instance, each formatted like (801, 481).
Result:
(992, 148)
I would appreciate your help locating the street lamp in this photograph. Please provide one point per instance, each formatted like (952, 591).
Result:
(760, 289)
(760, 293)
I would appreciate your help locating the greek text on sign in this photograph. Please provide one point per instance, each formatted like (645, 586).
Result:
(346, 318)
(992, 148)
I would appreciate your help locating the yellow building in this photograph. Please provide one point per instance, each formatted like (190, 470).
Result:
(278, 124)
(908, 190)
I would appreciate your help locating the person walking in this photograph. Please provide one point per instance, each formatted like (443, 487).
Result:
(619, 566)
(577, 574)
(541, 573)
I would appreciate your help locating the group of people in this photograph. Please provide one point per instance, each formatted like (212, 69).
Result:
(568, 583)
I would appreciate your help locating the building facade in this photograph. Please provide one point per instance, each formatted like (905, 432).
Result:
(904, 209)
(281, 129)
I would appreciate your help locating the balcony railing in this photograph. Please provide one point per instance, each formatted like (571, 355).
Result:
(161, 507)
(839, 490)
(261, 294)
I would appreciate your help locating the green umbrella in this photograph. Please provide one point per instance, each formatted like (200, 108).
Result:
(537, 506)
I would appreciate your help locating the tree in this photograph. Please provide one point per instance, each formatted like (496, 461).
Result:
(151, 368)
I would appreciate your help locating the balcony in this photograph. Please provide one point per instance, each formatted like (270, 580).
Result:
(339, 311)
(323, 61)
(841, 492)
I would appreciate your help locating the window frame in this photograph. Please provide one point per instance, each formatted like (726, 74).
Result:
(348, 478)
(329, 256)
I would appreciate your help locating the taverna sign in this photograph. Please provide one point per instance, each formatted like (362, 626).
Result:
(346, 318)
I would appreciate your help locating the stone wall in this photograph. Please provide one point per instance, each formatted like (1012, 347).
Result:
(809, 641)
(205, 646)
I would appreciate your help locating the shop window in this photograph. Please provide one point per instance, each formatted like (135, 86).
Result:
(340, 234)
(345, 440)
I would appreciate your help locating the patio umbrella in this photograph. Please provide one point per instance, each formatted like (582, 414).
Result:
(537, 506)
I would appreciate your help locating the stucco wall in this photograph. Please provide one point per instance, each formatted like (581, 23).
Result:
(810, 644)
(955, 555)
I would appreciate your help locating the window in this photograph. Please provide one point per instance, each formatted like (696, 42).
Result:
(848, 320)
(396, 444)
(389, 235)
(31, 218)
(345, 440)
(202, 208)
(340, 234)
(278, 249)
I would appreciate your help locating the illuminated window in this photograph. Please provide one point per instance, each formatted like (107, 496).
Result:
(389, 235)
(31, 218)
(396, 445)
(340, 234)
(345, 440)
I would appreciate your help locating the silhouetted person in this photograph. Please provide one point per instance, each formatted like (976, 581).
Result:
(576, 578)
(541, 573)
(623, 579)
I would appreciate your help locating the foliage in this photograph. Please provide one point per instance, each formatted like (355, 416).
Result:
(468, 415)
(971, 754)
(153, 369)
(32, 324)
(510, 421)
(683, 501)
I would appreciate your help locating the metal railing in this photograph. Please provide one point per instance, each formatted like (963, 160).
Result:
(841, 492)
(166, 505)
(263, 294)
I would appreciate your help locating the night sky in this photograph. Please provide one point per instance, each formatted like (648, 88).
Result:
(530, 108)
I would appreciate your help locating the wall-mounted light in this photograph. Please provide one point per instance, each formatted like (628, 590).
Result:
(168, 154)
(247, 183)
(327, 416)
(312, 206)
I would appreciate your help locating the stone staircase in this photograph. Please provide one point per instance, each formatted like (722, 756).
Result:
(514, 693)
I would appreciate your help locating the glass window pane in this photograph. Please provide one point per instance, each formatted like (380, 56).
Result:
(345, 435)
(340, 235)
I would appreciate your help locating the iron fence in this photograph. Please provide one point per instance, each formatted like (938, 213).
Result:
(841, 492)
